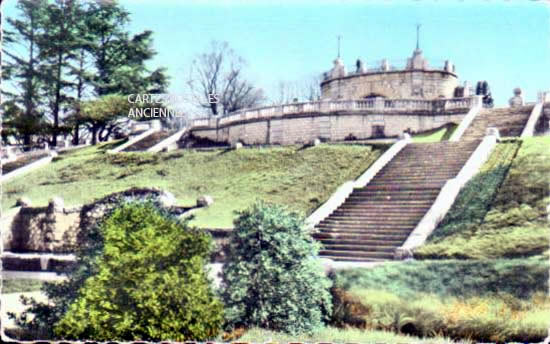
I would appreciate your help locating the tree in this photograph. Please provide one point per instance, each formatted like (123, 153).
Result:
(150, 282)
(220, 72)
(103, 115)
(59, 46)
(119, 57)
(22, 69)
(306, 90)
(272, 278)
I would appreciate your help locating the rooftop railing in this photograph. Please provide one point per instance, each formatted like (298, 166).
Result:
(380, 105)
(384, 66)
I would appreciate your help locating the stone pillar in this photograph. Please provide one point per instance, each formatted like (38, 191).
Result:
(339, 70)
(449, 66)
(385, 65)
(468, 91)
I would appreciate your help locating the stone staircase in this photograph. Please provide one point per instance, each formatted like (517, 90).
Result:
(149, 141)
(376, 219)
(509, 121)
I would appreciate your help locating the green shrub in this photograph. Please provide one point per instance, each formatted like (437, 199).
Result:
(272, 278)
(151, 282)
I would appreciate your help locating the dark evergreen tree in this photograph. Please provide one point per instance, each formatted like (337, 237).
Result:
(22, 111)
(58, 49)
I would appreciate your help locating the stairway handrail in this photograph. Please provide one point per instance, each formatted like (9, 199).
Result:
(529, 129)
(468, 119)
(133, 140)
(447, 196)
(168, 141)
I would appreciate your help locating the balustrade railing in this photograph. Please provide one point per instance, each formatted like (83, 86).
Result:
(379, 104)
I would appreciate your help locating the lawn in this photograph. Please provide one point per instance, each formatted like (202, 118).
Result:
(501, 212)
(436, 135)
(295, 176)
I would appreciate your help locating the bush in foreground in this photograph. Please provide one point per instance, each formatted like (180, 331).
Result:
(151, 282)
(272, 279)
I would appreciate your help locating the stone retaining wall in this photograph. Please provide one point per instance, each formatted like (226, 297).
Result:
(335, 126)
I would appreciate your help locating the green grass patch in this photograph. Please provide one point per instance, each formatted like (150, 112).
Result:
(21, 285)
(335, 335)
(497, 214)
(436, 135)
(293, 176)
(520, 278)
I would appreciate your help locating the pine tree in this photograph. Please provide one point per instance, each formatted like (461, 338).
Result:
(22, 111)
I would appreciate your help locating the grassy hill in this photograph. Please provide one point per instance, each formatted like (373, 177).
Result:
(299, 177)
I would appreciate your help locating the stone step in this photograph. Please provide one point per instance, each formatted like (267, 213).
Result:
(363, 231)
(356, 254)
(353, 259)
(392, 197)
(359, 248)
(380, 219)
(331, 226)
(379, 242)
(385, 204)
(389, 212)
(360, 236)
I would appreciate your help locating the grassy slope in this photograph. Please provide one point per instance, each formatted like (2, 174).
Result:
(301, 178)
(436, 135)
(452, 278)
(512, 224)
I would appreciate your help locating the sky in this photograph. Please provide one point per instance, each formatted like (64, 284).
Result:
(506, 43)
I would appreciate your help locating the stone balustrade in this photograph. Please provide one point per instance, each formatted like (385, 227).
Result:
(380, 105)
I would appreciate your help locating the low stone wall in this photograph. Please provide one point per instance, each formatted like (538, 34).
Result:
(335, 126)
(58, 229)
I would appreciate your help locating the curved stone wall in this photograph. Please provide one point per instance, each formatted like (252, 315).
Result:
(401, 84)
(331, 120)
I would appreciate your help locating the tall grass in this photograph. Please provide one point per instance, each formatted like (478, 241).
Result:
(502, 318)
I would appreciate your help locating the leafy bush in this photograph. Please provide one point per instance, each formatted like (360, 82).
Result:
(150, 284)
(272, 279)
